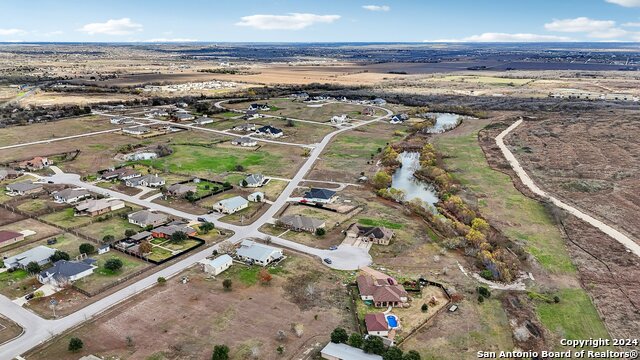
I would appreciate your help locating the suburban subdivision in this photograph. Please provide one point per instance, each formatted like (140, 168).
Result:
(293, 200)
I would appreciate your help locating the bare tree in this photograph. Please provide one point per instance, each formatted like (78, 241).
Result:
(281, 335)
(226, 247)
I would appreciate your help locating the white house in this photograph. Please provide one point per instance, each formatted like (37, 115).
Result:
(335, 351)
(104, 249)
(39, 254)
(217, 265)
(253, 181)
(231, 205)
(64, 272)
(136, 130)
(244, 141)
(143, 155)
(269, 131)
(203, 120)
(147, 180)
(71, 196)
(257, 196)
(263, 107)
(339, 120)
(259, 254)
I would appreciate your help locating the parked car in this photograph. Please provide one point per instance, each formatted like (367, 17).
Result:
(327, 260)
(29, 296)
(52, 241)
(333, 248)
(201, 219)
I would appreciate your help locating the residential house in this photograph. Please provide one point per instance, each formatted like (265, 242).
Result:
(379, 101)
(369, 111)
(98, 207)
(259, 254)
(23, 188)
(166, 231)
(147, 180)
(136, 130)
(301, 223)
(257, 196)
(231, 205)
(244, 141)
(64, 272)
(112, 174)
(103, 249)
(9, 237)
(269, 131)
(398, 118)
(142, 155)
(183, 116)
(302, 96)
(339, 120)
(250, 114)
(376, 324)
(71, 196)
(37, 163)
(246, 127)
(374, 234)
(203, 120)
(341, 351)
(144, 218)
(8, 174)
(129, 174)
(217, 265)
(117, 120)
(180, 190)
(319, 196)
(381, 290)
(263, 107)
(141, 236)
(39, 254)
(253, 181)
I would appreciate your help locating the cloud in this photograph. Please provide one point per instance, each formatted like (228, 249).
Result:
(625, 3)
(292, 21)
(505, 37)
(376, 7)
(632, 24)
(579, 24)
(608, 33)
(165, 40)
(122, 26)
(5, 32)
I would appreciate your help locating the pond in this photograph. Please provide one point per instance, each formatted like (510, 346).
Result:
(444, 122)
(404, 180)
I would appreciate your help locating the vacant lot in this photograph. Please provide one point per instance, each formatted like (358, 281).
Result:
(8, 330)
(103, 277)
(116, 226)
(8, 217)
(41, 230)
(162, 321)
(320, 112)
(55, 129)
(66, 218)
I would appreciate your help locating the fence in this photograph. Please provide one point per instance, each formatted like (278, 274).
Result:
(137, 255)
(110, 286)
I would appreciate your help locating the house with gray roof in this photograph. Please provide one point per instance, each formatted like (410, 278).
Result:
(231, 205)
(71, 196)
(244, 141)
(253, 181)
(146, 180)
(259, 254)
(23, 188)
(64, 272)
(8, 174)
(318, 195)
(299, 222)
(180, 190)
(183, 116)
(136, 130)
(246, 127)
(39, 254)
(144, 218)
(203, 120)
(335, 351)
(217, 265)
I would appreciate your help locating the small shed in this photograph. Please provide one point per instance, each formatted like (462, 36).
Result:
(217, 265)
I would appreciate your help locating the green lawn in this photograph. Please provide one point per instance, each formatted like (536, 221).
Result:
(181, 246)
(13, 276)
(33, 206)
(115, 226)
(66, 218)
(379, 222)
(129, 264)
(158, 254)
(525, 219)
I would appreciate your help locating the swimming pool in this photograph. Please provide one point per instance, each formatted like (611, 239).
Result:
(392, 320)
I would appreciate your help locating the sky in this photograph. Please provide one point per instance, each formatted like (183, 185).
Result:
(319, 21)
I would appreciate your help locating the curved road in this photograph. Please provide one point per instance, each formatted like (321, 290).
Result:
(528, 182)
(38, 330)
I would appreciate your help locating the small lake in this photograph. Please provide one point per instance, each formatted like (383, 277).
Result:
(444, 122)
(404, 180)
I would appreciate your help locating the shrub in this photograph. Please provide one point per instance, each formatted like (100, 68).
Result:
(226, 284)
(556, 299)
(339, 335)
(480, 298)
(392, 354)
(33, 268)
(38, 294)
(75, 344)
(59, 255)
(355, 340)
(161, 280)
(484, 291)
(487, 274)
(87, 248)
(373, 345)
(220, 352)
(108, 238)
(113, 264)
(129, 232)
(424, 307)
(320, 231)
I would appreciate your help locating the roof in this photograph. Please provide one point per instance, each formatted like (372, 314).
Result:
(220, 261)
(140, 236)
(146, 217)
(244, 140)
(380, 289)
(150, 179)
(301, 222)
(346, 352)
(72, 193)
(23, 186)
(252, 250)
(171, 229)
(269, 129)
(203, 119)
(6, 172)
(138, 129)
(37, 254)
(376, 232)
(97, 205)
(181, 188)
(376, 322)
(65, 269)
(254, 179)
(316, 193)
(233, 202)
(6, 235)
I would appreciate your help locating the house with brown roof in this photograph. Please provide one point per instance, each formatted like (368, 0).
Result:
(9, 237)
(98, 207)
(37, 163)
(381, 291)
(373, 234)
(167, 231)
(376, 324)
(8, 174)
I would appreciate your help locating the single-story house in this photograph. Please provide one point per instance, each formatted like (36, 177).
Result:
(141, 155)
(257, 196)
(258, 253)
(398, 118)
(231, 205)
(381, 290)
(112, 174)
(39, 254)
(98, 207)
(217, 265)
(136, 130)
(142, 236)
(180, 190)
(24, 188)
(263, 107)
(374, 234)
(103, 249)
(335, 351)
(117, 120)
(369, 111)
(166, 231)
(300, 96)
(8, 174)
(318, 195)
(338, 120)
(253, 181)
(144, 218)
(203, 120)
(37, 163)
(376, 324)
(245, 127)
(299, 222)
(269, 131)
(9, 237)
(146, 180)
(183, 116)
(378, 101)
(244, 141)
(129, 174)
(71, 196)
(64, 272)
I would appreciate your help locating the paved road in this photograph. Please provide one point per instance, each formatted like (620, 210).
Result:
(38, 330)
(528, 182)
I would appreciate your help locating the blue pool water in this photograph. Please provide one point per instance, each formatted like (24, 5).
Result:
(392, 321)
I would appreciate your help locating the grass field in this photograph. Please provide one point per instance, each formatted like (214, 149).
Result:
(103, 277)
(380, 222)
(66, 218)
(488, 80)
(51, 130)
(116, 226)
